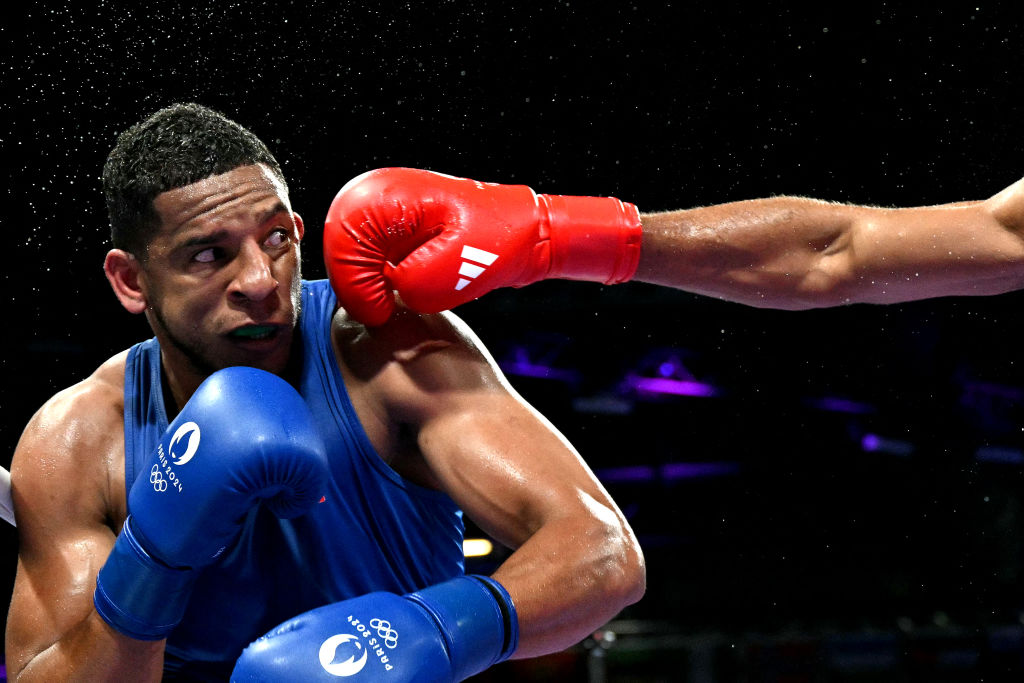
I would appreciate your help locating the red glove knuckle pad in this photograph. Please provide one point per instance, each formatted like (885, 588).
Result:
(441, 241)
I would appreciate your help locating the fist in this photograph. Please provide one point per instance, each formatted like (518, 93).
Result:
(441, 241)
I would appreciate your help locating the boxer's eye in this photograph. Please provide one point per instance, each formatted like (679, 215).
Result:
(205, 256)
(277, 238)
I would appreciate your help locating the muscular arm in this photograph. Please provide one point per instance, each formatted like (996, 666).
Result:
(795, 253)
(577, 562)
(62, 496)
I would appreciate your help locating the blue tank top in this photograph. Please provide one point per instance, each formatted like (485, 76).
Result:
(375, 531)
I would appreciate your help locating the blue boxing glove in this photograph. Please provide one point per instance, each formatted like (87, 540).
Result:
(444, 633)
(244, 437)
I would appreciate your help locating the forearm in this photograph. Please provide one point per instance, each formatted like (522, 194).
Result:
(92, 651)
(569, 579)
(576, 563)
(793, 253)
(763, 252)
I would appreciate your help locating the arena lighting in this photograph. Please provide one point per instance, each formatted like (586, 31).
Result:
(536, 358)
(476, 547)
(991, 389)
(663, 372)
(1000, 454)
(836, 404)
(668, 472)
(666, 385)
(873, 443)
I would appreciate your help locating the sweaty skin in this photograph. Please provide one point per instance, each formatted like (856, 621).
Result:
(430, 399)
(796, 253)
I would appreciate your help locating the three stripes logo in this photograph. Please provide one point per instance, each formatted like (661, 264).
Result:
(475, 262)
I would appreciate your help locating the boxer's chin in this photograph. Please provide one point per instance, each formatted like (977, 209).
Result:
(268, 350)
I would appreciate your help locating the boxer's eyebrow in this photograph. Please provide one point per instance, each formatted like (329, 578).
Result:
(265, 216)
(218, 235)
(202, 240)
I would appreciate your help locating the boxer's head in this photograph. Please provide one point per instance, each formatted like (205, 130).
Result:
(205, 241)
(177, 146)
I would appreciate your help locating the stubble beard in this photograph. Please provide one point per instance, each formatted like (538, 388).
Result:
(196, 352)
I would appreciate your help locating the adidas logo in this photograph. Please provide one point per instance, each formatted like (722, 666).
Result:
(470, 270)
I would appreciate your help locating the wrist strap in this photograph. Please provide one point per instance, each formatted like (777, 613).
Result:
(592, 238)
(509, 616)
(476, 616)
(137, 594)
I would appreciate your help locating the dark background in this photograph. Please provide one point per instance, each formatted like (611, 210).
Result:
(792, 552)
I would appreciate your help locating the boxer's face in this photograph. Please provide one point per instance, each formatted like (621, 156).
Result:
(222, 276)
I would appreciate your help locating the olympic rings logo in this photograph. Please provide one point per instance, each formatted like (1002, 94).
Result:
(385, 631)
(156, 478)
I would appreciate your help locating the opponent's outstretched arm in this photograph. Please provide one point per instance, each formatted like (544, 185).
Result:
(792, 252)
(442, 241)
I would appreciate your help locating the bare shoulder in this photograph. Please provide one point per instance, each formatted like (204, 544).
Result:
(80, 417)
(71, 451)
(435, 353)
(67, 509)
(407, 372)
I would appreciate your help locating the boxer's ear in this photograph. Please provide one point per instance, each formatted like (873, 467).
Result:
(299, 225)
(122, 271)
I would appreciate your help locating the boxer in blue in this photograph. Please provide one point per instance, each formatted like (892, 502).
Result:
(173, 508)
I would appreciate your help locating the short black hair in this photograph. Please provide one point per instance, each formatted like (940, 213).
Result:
(174, 147)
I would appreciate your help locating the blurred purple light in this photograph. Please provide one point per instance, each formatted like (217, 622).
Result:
(698, 470)
(668, 472)
(1007, 456)
(620, 474)
(873, 443)
(675, 387)
(524, 368)
(870, 442)
(992, 389)
(834, 404)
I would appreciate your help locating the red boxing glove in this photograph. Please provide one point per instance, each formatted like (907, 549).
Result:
(441, 241)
